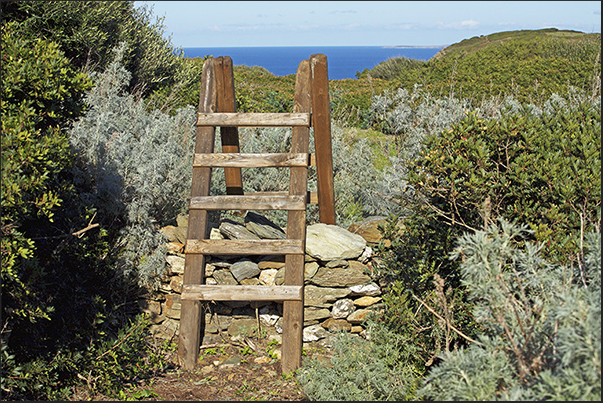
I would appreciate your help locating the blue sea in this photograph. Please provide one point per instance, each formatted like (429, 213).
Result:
(342, 61)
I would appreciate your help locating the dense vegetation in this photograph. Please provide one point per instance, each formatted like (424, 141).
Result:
(493, 195)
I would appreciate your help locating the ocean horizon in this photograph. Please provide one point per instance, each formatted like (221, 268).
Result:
(343, 62)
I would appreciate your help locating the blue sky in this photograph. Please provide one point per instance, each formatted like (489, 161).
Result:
(362, 23)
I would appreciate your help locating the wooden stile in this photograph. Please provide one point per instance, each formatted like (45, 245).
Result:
(217, 108)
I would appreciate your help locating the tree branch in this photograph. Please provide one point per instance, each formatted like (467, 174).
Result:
(449, 324)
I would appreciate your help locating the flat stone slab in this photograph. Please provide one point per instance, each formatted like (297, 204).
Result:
(244, 269)
(329, 242)
(337, 277)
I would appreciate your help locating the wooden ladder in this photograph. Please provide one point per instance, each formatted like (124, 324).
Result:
(217, 108)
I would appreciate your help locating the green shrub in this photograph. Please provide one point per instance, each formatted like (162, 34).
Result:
(542, 323)
(63, 305)
(520, 167)
(88, 31)
(39, 92)
(362, 370)
(105, 366)
(543, 171)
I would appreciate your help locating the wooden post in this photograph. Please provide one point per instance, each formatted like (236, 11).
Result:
(229, 135)
(191, 319)
(293, 311)
(321, 119)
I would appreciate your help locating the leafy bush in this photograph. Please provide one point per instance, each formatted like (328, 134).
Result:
(541, 321)
(63, 306)
(88, 31)
(104, 366)
(542, 170)
(39, 92)
(470, 174)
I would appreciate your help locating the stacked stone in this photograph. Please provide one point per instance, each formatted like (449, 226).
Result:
(339, 289)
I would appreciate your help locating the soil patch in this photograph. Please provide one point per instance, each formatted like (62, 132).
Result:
(229, 371)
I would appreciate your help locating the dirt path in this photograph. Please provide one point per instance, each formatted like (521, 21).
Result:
(229, 371)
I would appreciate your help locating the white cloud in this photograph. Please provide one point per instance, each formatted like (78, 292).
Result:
(351, 27)
(343, 12)
(467, 24)
(403, 27)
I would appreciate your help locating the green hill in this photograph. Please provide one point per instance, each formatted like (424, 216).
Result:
(479, 42)
(530, 65)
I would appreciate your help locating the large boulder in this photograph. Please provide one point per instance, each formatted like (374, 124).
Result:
(329, 242)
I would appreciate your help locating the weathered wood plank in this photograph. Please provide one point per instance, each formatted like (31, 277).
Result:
(293, 311)
(321, 120)
(249, 202)
(311, 197)
(242, 293)
(229, 136)
(245, 247)
(191, 318)
(253, 119)
(260, 160)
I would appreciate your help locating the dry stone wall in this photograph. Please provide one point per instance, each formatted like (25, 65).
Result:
(340, 290)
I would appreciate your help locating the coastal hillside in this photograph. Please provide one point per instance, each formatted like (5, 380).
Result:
(477, 43)
(477, 176)
(528, 64)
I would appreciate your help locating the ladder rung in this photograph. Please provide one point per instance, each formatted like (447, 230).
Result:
(239, 160)
(245, 247)
(249, 202)
(201, 292)
(253, 119)
(311, 196)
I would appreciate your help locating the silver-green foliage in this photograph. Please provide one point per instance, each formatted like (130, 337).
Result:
(136, 166)
(412, 117)
(353, 171)
(362, 370)
(542, 323)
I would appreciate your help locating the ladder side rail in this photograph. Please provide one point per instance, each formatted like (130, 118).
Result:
(229, 135)
(191, 319)
(293, 311)
(321, 120)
